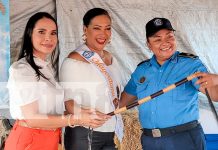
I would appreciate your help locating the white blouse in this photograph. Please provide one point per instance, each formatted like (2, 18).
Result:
(87, 87)
(24, 88)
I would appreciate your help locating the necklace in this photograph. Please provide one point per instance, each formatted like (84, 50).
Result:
(100, 53)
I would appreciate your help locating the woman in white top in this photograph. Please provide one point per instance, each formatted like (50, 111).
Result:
(91, 76)
(36, 100)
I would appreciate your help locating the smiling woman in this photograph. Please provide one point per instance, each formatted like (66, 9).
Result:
(161, 42)
(45, 38)
(171, 127)
(92, 65)
(28, 77)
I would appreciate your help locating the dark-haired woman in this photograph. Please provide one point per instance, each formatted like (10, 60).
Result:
(36, 100)
(94, 74)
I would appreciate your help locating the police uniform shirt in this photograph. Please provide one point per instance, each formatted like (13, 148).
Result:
(172, 108)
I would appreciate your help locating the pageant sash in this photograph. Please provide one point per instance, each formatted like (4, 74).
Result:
(95, 60)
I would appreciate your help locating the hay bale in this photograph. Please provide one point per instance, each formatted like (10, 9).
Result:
(132, 132)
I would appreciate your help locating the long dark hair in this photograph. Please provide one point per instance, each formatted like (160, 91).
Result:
(92, 13)
(27, 46)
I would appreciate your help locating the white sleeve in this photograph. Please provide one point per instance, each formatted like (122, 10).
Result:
(73, 74)
(22, 84)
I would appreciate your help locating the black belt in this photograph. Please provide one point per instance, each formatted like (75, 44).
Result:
(170, 130)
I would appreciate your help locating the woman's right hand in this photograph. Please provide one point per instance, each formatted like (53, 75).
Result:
(90, 118)
(207, 80)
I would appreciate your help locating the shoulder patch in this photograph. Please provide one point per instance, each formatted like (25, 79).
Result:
(189, 55)
(143, 62)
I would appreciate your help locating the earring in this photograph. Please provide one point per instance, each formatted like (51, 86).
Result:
(84, 37)
(109, 41)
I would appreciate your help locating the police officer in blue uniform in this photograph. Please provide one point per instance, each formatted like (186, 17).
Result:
(169, 121)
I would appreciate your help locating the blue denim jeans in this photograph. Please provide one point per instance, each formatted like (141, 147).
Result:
(77, 139)
(192, 139)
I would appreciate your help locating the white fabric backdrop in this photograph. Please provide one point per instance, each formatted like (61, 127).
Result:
(195, 22)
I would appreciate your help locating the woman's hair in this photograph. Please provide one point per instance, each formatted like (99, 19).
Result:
(27, 45)
(92, 13)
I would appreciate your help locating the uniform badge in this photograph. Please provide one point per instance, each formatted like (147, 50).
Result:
(187, 55)
(142, 79)
(158, 22)
(88, 54)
